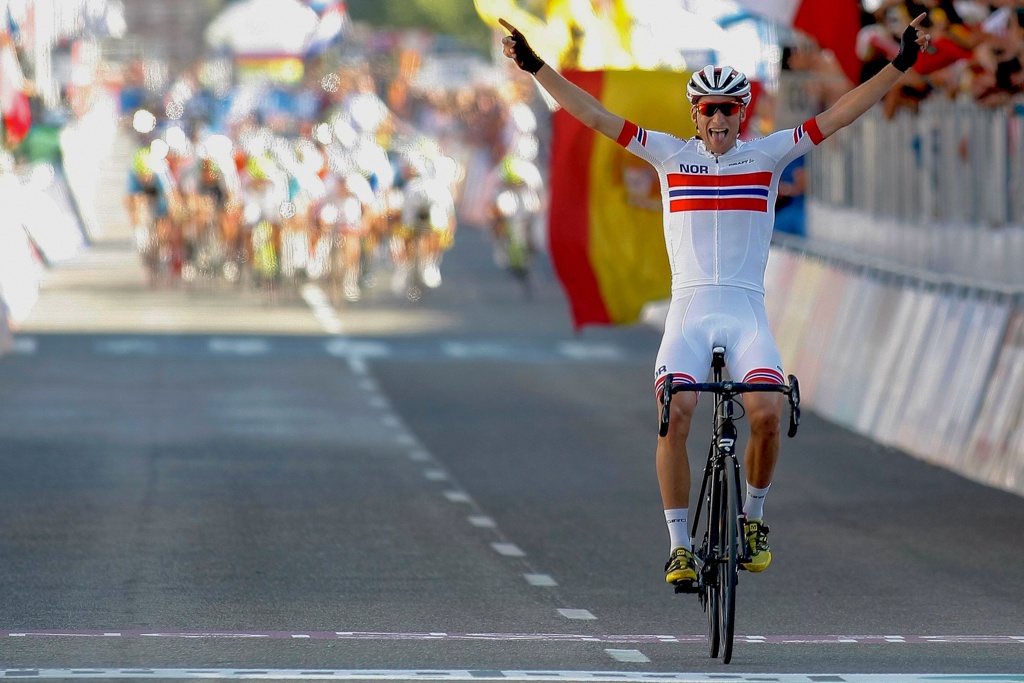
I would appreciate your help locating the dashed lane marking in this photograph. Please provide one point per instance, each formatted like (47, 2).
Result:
(127, 347)
(322, 309)
(584, 351)
(631, 656)
(582, 614)
(348, 348)
(508, 549)
(457, 497)
(336, 345)
(540, 580)
(482, 521)
(239, 347)
(25, 345)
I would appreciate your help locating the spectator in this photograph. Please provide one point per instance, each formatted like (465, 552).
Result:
(789, 205)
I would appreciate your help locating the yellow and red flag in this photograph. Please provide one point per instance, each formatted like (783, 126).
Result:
(606, 238)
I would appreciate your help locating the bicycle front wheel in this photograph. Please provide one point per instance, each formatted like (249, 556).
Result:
(712, 555)
(729, 537)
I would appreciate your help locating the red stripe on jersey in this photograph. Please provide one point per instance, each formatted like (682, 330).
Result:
(718, 204)
(627, 133)
(762, 178)
(811, 128)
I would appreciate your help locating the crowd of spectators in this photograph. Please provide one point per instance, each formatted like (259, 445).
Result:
(977, 48)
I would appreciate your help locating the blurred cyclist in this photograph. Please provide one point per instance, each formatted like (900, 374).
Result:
(151, 196)
(427, 228)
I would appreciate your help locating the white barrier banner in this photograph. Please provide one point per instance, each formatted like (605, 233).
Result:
(778, 278)
(829, 393)
(812, 359)
(797, 310)
(931, 406)
(995, 455)
(891, 316)
(906, 349)
(859, 350)
(983, 328)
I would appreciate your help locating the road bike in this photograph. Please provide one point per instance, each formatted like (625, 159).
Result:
(723, 549)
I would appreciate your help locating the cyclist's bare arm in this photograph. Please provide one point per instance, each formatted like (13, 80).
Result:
(853, 104)
(581, 104)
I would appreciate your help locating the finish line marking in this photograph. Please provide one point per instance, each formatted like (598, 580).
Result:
(489, 675)
(526, 637)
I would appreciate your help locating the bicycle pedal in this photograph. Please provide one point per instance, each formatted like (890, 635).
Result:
(686, 587)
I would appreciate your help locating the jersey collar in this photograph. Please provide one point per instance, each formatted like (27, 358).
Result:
(702, 148)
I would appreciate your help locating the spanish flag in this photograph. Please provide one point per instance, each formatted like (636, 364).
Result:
(606, 237)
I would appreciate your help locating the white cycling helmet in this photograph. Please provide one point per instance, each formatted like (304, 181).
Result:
(725, 81)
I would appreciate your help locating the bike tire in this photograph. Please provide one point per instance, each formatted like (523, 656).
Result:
(712, 556)
(728, 566)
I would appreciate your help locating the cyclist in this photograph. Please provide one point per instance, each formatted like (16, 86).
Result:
(515, 208)
(718, 197)
(150, 199)
(427, 229)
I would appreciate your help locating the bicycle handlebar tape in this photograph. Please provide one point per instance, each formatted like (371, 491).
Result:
(909, 49)
(526, 58)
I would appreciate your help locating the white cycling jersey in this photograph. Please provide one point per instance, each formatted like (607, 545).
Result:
(719, 212)
(718, 215)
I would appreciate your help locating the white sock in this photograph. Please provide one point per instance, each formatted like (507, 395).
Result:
(753, 507)
(678, 533)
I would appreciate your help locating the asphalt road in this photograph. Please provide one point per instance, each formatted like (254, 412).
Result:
(197, 484)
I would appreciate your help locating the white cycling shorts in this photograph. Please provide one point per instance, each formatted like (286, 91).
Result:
(701, 318)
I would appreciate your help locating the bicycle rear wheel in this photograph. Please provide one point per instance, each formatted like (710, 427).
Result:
(730, 550)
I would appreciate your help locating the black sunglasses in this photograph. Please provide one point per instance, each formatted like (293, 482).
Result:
(727, 108)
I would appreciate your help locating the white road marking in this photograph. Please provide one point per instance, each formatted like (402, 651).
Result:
(633, 656)
(489, 675)
(613, 639)
(576, 614)
(405, 440)
(482, 521)
(589, 351)
(465, 350)
(540, 580)
(391, 421)
(126, 347)
(346, 348)
(508, 549)
(435, 475)
(25, 345)
(419, 456)
(457, 497)
(239, 347)
(322, 309)
(358, 366)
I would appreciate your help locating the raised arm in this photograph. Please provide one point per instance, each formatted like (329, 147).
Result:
(581, 104)
(853, 104)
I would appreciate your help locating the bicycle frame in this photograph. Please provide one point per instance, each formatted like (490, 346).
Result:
(724, 547)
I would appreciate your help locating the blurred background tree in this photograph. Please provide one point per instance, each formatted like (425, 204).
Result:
(456, 18)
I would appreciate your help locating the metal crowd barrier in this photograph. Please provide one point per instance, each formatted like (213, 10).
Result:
(938, 190)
